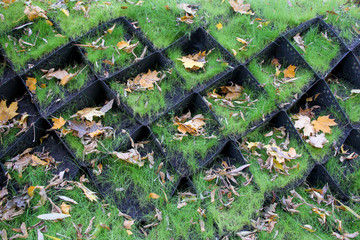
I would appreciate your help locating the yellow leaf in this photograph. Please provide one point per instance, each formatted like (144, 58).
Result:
(58, 123)
(234, 52)
(129, 232)
(219, 26)
(53, 238)
(31, 84)
(33, 12)
(110, 30)
(88, 193)
(7, 113)
(323, 123)
(66, 12)
(43, 85)
(289, 72)
(153, 196)
(243, 41)
(48, 22)
(31, 190)
(65, 208)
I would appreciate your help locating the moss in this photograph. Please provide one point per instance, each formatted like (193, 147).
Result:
(53, 91)
(18, 57)
(149, 103)
(122, 60)
(283, 92)
(319, 50)
(233, 126)
(191, 148)
(193, 78)
(262, 177)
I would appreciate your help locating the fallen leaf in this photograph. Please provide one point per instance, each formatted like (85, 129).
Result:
(88, 193)
(33, 12)
(240, 7)
(145, 81)
(300, 42)
(219, 26)
(7, 113)
(24, 232)
(66, 12)
(67, 199)
(153, 196)
(194, 62)
(317, 141)
(303, 122)
(110, 30)
(53, 216)
(31, 84)
(128, 223)
(65, 208)
(289, 72)
(323, 123)
(58, 123)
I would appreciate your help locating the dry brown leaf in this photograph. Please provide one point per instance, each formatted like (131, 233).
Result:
(128, 223)
(33, 12)
(145, 81)
(31, 84)
(193, 126)
(323, 123)
(110, 30)
(24, 232)
(303, 122)
(88, 193)
(299, 41)
(240, 7)
(317, 141)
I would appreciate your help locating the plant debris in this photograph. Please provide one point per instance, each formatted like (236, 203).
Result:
(194, 126)
(194, 62)
(313, 131)
(145, 81)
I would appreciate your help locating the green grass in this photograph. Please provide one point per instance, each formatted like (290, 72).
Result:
(241, 27)
(193, 78)
(84, 24)
(346, 101)
(336, 132)
(263, 177)
(236, 125)
(190, 147)
(96, 57)
(285, 92)
(19, 59)
(242, 209)
(319, 50)
(288, 225)
(345, 21)
(346, 174)
(111, 119)
(164, 30)
(149, 103)
(54, 91)
(14, 14)
(9, 137)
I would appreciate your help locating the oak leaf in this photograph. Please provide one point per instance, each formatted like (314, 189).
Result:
(323, 123)
(33, 12)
